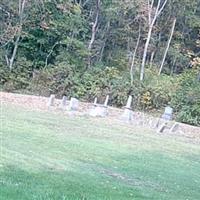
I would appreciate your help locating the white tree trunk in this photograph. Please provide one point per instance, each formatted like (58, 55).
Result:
(94, 31)
(21, 12)
(168, 45)
(133, 58)
(11, 61)
(152, 21)
(94, 26)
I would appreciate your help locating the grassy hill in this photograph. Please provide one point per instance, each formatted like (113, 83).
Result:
(51, 156)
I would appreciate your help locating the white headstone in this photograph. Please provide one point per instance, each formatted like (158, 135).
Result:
(95, 101)
(168, 110)
(168, 113)
(74, 104)
(51, 100)
(106, 101)
(129, 102)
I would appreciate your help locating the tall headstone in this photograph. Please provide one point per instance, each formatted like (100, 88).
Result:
(129, 102)
(106, 101)
(51, 100)
(74, 104)
(128, 113)
(95, 101)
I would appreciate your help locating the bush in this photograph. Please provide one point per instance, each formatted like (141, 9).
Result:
(18, 78)
(63, 79)
(56, 80)
(186, 100)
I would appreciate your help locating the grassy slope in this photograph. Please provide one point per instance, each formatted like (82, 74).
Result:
(50, 156)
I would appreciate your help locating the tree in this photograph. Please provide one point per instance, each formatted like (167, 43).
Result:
(153, 16)
(168, 44)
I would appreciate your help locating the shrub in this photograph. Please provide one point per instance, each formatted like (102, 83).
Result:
(18, 78)
(186, 100)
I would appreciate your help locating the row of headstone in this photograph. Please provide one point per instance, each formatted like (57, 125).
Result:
(101, 110)
(73, 104)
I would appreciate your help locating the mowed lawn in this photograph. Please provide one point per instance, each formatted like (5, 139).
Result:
(51, 156)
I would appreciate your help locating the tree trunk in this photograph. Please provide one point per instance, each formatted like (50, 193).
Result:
(158, 11)
(94, 30)
(11, 61)
(104, 42)
(133, 58)
(145, 53)
(168, 45)
(151, 59)
(21, 12)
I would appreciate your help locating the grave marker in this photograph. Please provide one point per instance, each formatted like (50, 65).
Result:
(128, 113)
(168, 113)
(106, 101)
(51, 100)
(100, 110)
(74, 104)
(95, 101)
(63, 102)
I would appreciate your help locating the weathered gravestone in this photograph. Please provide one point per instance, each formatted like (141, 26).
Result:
(51, 100)
(128, 113)
(168, 114)
(63, 103)
(100, 110)
(74, 104)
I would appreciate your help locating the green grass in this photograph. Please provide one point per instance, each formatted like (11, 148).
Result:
(47, 156)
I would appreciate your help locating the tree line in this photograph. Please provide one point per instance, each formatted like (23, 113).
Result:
(136, 39)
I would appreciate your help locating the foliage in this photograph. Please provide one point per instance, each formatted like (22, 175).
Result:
(18, 78)
(51, 40)
(186, 100)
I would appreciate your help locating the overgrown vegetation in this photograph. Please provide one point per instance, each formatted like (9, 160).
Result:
(94, 48)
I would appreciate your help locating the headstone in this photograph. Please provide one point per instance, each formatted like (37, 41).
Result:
(63, 102)
(128, 113)
(168, 113)
(106, 101)
(95, 101)
(129, 102)
(51, 100)
(99, 110)
(74, 104)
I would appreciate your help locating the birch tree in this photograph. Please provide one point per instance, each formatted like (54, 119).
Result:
(94, 29)
(134, 55)
(153, 16)
(168, 45)
(21, 7)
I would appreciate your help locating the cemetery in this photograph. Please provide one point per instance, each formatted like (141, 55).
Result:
(125, 115)
(99, 100)
(94, 150)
